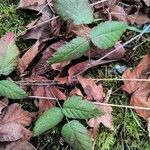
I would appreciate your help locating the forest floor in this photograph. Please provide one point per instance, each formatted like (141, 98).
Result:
(129, 129)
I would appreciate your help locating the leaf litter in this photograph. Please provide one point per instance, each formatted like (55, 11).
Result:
(57, 80)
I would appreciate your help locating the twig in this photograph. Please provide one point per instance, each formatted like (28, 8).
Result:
(97, 103)
(40, 97)
(121, 106)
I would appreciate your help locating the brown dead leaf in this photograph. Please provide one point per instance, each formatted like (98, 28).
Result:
(141, 98)
(79, 30)
(13, 121)
(40, 30)
(105, 119)
(28, 57)
(60, 66)
(140, 90)
(76, 91)
(118, 13)
(91, 89)
(18, 145)
(76, 69)
(46, 91)
(117, 54)
(138, 18)
(140, 72)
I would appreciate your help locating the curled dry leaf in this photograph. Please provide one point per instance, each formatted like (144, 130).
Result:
(28, 57)
(140, 90)
(13, 121)
(91, 89)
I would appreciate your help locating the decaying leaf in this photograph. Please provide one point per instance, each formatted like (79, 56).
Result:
(91, 89)
(106, 119)
(46, 91)
(138, 18)
(140, 90)
(13, 121)
(41, 30)
(28, 57)
(17, 145)
(140, 72)
(118, 13)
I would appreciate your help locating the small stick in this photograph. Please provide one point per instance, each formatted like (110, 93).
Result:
(97, 103)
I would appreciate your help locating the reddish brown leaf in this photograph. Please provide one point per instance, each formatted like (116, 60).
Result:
(13, 121)
(138, 18)
(77, 68)
(40, 30)
(141, 98)
(140, 90)
(18, 145)
(79, 30)
(91, 89)
(76, 91)
(105, 119)
(60, 66)
(118, 13)
(140, 72)
(28, 57)
(46, 91)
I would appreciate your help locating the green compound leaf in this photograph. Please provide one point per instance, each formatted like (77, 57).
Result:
(77, 10)
(106, 34)
(8, 54)
(47, 120)
(77, 108)
(76, 135)
(72, 50)
(10, 90)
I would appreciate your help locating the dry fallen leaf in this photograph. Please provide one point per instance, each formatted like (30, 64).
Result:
(28, 57)
(39, 30)
(91, 89)
(18, 145)
(105, 119)
(13, 121)
(140, 90)
(117, 12)
(140, 72)
(141, 98)
(46, 91)
(138, 18)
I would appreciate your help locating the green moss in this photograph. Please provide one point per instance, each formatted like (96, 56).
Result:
(11, 21)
